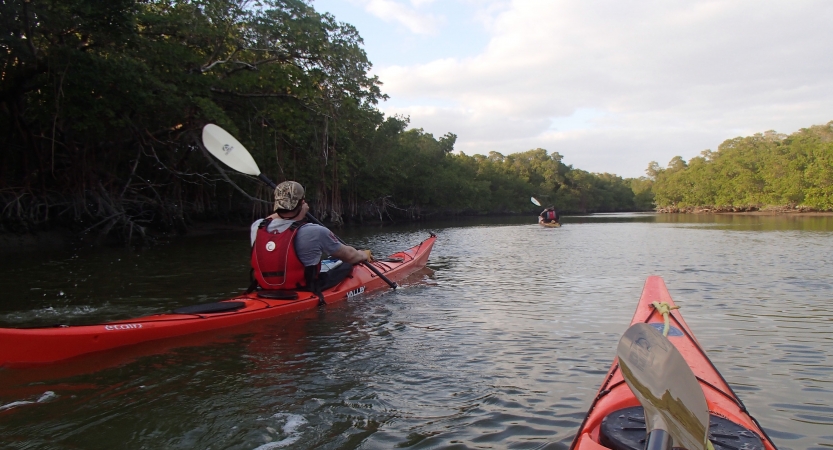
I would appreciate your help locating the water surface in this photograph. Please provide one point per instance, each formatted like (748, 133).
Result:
(503, 344)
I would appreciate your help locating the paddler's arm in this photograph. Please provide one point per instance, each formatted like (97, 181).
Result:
(349, 254)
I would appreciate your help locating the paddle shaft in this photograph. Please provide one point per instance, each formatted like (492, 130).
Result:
(658, 440)
(312, 219)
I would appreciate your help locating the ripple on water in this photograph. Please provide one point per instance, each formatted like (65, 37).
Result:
(284, 430)
(45, 397)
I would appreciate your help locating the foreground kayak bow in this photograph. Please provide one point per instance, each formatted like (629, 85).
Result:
(22, 347)
(616, 420)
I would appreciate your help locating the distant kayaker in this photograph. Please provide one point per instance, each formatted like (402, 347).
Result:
(287, 251)
(548, 215)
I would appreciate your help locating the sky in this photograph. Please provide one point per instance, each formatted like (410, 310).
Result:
(611, 85)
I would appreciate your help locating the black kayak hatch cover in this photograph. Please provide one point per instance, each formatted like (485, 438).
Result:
(625, 430)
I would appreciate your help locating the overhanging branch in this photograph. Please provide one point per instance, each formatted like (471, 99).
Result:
(252, 95)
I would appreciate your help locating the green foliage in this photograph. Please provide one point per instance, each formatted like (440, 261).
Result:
(767, 169)
(643, 192)
(102, 104)
(503, 184)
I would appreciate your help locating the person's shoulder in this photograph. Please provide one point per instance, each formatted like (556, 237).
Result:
(313, 226)
(321, 234)
(313, 229)
(260, 221)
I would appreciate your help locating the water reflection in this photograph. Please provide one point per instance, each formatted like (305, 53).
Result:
(753, 222)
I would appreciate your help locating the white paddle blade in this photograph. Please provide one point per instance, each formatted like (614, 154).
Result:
(535, 201)
(228, 150)
(664, 384)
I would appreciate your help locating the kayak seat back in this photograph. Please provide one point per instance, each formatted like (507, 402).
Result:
(208, 308)
(625, 430)
(278, 294)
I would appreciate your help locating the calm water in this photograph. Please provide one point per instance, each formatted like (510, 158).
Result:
(502, 346)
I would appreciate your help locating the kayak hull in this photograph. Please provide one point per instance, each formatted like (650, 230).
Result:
(25, 347)
(550, 224)
(614, 394)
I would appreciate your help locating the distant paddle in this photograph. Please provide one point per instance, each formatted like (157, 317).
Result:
(232, 153)
(535, 201)
(676, 412)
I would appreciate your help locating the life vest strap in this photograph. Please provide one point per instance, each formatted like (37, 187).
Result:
(265, 223)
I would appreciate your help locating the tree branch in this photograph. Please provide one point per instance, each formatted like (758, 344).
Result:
(208, 67)
(255, 95)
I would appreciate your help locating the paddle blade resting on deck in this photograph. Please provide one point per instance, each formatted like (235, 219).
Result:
(664, 384)
(228, 150)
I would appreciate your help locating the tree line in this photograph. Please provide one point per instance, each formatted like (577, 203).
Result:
(102, 104)
(766, 170)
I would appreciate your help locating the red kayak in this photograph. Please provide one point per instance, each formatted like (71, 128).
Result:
(616, 418)
(23, 347)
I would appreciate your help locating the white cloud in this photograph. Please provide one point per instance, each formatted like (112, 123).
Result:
(411, 18)
(662, 78)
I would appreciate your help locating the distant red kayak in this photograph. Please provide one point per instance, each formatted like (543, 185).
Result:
(23, 347)
(616, 419)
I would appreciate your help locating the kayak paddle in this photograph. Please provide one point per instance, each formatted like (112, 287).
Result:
(232, 153)
(675, 406)
(535, 201)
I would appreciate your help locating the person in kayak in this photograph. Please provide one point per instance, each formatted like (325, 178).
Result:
(287, 250)
(548, 215)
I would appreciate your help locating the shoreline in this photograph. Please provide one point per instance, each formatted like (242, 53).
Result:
(746, 211)
(755, 213)
(55, 239)
(780, 213)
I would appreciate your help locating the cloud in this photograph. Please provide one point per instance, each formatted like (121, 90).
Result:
(662, 78)
(413, 20)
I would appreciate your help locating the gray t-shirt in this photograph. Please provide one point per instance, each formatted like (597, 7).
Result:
(311, 243)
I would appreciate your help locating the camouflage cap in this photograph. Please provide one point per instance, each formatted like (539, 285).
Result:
(288, 194)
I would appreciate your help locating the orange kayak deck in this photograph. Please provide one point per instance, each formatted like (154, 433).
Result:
(614, 395)
(32, 346)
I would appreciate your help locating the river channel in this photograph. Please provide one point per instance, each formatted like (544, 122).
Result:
(502, 344)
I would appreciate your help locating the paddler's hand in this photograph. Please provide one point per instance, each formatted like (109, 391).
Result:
(352, 255)
(369, 255)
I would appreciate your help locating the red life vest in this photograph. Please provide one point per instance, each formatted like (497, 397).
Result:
(551, 215)
(275, 263)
